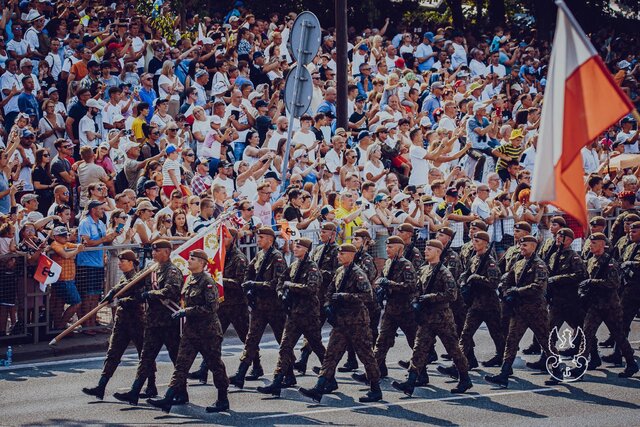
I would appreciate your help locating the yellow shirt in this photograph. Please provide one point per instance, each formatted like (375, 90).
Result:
(341, 212)
(136, 127)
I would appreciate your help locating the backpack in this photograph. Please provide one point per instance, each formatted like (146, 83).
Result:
(121, 182)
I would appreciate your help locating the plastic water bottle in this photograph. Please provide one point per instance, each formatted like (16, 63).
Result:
(9, 356)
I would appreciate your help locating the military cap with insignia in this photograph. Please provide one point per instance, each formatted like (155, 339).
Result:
(559, 220)
(346, 247)
(598, 236)
(523, 226)
(528, 239)
(482, 235)
(598, 220)
(631, 218)
(304, 242)
(362, 233)
(161, 244)
(447, 231)
(329, 226)
(266, 231)
(199, 253)
(635, 225)
(435, 244)
(395, 240)
(566, 232)
(128, 255)
(478, 223)
(406, 227)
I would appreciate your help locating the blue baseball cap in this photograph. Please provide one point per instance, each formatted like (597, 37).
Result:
(428, 35)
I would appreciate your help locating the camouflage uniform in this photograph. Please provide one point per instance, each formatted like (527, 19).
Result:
(159, 327)
(414, 255)
(466, 253)
(528, 286)
(201, 333)
(436, 318)
(268, 309)
(365, 261)
(619, 247)
(601, 296)
(630, 297)
(485, 306)
(127, 324)
(351, 322)
(506, 264)
(233, 309)
(401, 278)
(547, 248)
(304, 279)
(566, 271)
(451, 260)
(617, 229)
(586, 248)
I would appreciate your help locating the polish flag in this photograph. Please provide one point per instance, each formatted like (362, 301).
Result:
(581, 101)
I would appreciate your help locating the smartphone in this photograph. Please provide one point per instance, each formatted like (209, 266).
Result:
(119, 228)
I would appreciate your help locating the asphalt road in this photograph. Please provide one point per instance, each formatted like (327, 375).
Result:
(49, 393)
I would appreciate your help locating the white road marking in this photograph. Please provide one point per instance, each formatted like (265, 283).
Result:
(404, 403)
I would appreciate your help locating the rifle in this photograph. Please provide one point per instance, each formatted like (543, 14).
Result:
(287, 296)
(466, 289)
(325, 247)
(552, 250)
(382, 292)
(250, 285)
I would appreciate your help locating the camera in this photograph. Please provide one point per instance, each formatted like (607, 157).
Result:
(387, 163)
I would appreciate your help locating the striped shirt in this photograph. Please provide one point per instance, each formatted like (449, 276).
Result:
(511, 151)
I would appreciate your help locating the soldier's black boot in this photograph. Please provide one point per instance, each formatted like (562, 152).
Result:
(464, 384)
(384, 372)
(352, 362)
(201, 374)
(256, 370)
(300, 365)
(471, 358)
(132, 395)
(238, 379)
(614, 358)
(630, 369)
(534, 348)
(166, 402)
(274, 388)
(99, 390)
(332, 385)
(423, 378)
(373, 395)
(408, 386)
(289, 379)
(433, 356)
(222, 404)
(181, 397)
(495, 361)
(362, 378)
(404, 364)
(608, 343)
(450, 371)
(594, 361)
(540, 364)
(150, 390)
(317, 391)
(502, 379)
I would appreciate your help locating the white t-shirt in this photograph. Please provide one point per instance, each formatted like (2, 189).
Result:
(168, 165)
(87, 124)
(419, 166)
(227, 183)
(459, 55)
(374, 170)
(202, 126)
(276, 136)
(25, 171)
(162, 80)
(306, 139)
(630, 148)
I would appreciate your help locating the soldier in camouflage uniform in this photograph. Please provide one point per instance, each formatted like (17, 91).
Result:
(627, 200)
(597, 224)
(299, 289)
(159, 328)
(398, 287)
(325, 255)
(436, 289)
(630, 280)
(451, 260)
(127, 323)
(523, 291)
(202, 333)
(466, 251)
(623, 241)
(566, 271)
(480, 281)
(512, 255)
(600, 297)
(347, 296)
(406, 231)
(233, 308)
(260, 284)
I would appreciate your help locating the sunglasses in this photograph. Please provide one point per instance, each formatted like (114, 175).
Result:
(46, 155)
(249, 208)
(195, 204)
(173, 129)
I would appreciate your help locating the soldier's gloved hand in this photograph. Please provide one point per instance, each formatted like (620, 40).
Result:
(552, 280)
(423, 299)
(383, 282)
(108, 297)
(511, 293)
(179, 314)
(474, 278)
(337, 297)
(281, 296)
(144, 296)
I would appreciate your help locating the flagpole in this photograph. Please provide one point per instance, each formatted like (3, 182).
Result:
(572, 19)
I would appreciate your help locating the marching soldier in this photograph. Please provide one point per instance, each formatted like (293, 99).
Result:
(627, 200)
(452, 261)
(630, 295)
(599, 295)
(523, 291)
(623, 241)
(480, 282)
(202, 333)
(549, 245)
(325, 255)
(597, 224)
(405, 231)
(260, 284)
(128, 318)
(159, 328)
(233, 310)
(566, 271)
(512, 255)
(347, 296)
(436, 289)
(467, 252)
(299, 289)
(398, 287)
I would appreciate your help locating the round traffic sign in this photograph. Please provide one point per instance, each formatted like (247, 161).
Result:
(298, 101)
(305, 38)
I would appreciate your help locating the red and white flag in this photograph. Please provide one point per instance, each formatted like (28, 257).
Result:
(581, 101)
(47, 272)
(212, 242)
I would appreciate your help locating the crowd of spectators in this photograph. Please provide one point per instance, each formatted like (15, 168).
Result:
(113, 135)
